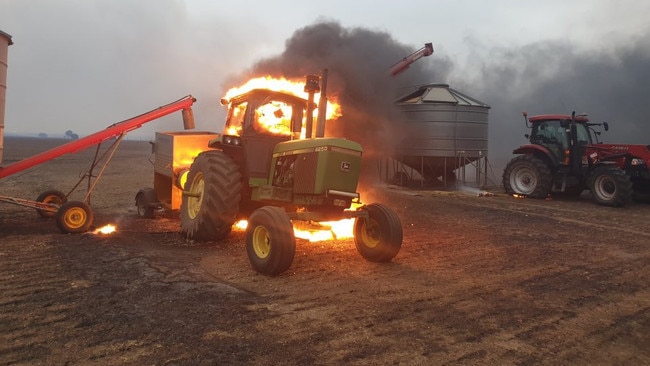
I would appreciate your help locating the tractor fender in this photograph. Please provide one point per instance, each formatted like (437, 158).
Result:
(149, 196)
(539, 151)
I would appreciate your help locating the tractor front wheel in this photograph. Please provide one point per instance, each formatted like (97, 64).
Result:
(610, 186)
(74, 217)
(527, 175)
(378, 238)
(270, 241)
(52, 197)
(211, 197)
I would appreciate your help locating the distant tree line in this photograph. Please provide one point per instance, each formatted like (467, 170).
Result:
(71, 135)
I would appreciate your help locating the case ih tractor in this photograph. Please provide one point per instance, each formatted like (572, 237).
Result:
(260, 169)
(564, 155)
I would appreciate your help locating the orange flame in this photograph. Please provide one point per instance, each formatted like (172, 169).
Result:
(106, 229)
(184, 155)
(320, 231)
(293, 87)
(327, 230)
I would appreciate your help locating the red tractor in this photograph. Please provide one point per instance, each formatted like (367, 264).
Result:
(564, 155)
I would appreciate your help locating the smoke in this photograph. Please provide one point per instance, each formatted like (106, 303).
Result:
(556, 77)
(552, 76)
(358, 62)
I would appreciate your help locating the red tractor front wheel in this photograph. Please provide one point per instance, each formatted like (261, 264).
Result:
(610, 186)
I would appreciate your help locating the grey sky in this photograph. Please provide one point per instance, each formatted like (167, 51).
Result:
(82, 64)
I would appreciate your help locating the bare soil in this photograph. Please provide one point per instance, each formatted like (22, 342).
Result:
(479, 280)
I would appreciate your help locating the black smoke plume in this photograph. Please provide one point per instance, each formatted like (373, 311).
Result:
(358, 62)
(610, 84)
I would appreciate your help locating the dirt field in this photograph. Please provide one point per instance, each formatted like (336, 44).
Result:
(479, 280)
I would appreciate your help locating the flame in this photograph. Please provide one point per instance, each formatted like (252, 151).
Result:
(275, 117)
(518, 195)
(184, 155)
(318, 231)
(106, 229)
(327, 230)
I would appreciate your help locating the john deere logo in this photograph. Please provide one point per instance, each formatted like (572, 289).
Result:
(345, 166)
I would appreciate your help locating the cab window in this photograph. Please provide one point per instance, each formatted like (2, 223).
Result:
(235, 120)
(273, 117)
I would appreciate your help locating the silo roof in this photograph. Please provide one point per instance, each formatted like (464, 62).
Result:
(3, 34)
(439, 93)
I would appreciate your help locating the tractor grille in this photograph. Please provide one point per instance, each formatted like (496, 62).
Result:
(305, 173)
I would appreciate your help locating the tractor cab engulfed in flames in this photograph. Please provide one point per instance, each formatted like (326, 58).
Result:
(264, 135)
(256, 122)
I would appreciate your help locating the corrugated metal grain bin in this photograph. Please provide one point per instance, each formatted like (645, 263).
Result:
(443, 130)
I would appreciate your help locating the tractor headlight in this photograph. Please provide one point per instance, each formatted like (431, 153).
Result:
(636, 162)
(231, 140)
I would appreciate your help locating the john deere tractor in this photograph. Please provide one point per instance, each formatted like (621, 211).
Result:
(564, 155)
(262, 170)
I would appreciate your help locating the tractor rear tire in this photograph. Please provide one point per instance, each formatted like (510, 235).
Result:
(211, 198)
(270, 241)
(610, 186)
(527, 175)
(74, 217)
(379, 237)
(52, 197)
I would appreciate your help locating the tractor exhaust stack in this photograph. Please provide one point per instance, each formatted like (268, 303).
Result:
(322, 105)
(311, 88)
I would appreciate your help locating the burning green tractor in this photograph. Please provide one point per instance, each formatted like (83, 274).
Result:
(260, 169)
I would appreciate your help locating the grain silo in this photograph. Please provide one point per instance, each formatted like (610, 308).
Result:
(444, 130)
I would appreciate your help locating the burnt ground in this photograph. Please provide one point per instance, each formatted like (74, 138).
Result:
(479, 280)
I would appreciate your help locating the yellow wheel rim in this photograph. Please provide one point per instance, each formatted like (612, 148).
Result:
(261, 242)
(196, 199)
(75, 218)
(370, 233)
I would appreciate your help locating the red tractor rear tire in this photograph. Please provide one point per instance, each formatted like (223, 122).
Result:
(527, 175)
(211, 199)
(610, 186)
